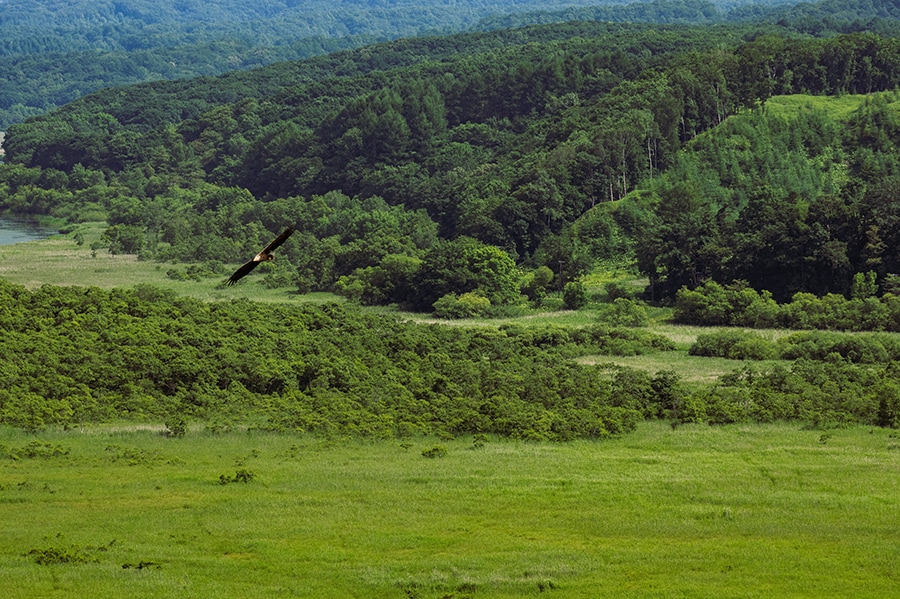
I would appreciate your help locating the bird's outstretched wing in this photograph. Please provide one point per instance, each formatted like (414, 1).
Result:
(265, 254)
(278, 240)
(241, 272)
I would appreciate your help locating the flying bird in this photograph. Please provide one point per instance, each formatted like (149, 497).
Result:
(263, 256)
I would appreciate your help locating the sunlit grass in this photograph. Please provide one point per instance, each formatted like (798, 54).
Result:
(740, 511)
(838, 108)
(691, 369)
(59, 260)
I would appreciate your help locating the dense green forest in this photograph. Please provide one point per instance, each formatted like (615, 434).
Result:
(53, 52)
(88, 355)
(467, 167)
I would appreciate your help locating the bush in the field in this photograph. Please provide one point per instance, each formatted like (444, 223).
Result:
(734, 345)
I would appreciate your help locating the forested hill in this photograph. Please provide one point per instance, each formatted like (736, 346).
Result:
(55, 52)
(826, 17)
(431, 168)
(52, 52)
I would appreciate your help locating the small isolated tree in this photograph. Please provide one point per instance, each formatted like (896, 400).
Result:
(574, 295)
(626, 313)
(864, 285)
(465, 265)
(124, 239)
(176, 425)
(467, 305)
(536, 283)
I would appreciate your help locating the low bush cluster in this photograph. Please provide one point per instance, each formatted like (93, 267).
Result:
(89, 355)
(33, 450)
(859, 348)
(821, 394)
(734, 345)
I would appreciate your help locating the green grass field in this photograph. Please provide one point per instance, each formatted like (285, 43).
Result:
(738, 511)
(837, 107)
(58, 260)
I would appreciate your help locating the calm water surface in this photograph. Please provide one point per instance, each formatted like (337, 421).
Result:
(16, 230)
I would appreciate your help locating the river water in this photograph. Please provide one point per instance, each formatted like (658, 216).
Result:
(16, 230)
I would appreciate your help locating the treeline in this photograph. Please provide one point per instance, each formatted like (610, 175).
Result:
(85, 355)
(54, 52)
(738, 305)
(35, 83)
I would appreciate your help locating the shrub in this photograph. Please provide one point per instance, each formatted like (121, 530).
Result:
(241, 476)
(438, 451)
(625, 313)
(858, 349)
(691, 409)
(176, 426)
(616, 291)
(467, 305)
(34, 450)
(706, 305)
(574, 295)
(71, 554)
(47, 556)
(734, 345)
(753, 348)
(888, 395)
(536, 283)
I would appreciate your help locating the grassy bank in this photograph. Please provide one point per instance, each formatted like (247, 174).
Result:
(743, 511)
(60, 260)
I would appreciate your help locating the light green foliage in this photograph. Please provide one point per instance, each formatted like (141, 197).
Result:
(371, 519)
(536, 283)
(838, 108)
(89, 355)
(467, 305)
(738, 305)
(734, 345)
(864, 285)
(461, 266)
(624, 313)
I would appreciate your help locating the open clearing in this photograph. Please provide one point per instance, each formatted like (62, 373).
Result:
(737, 511)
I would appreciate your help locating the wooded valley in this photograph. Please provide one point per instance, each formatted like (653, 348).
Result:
(581, 299)
(746, 169)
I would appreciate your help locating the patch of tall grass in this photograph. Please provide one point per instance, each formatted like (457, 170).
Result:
(739, 511)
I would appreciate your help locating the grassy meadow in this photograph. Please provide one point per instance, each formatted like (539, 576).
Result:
(59, 260)
(837, 107)
(696, 511)
(735, 511)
